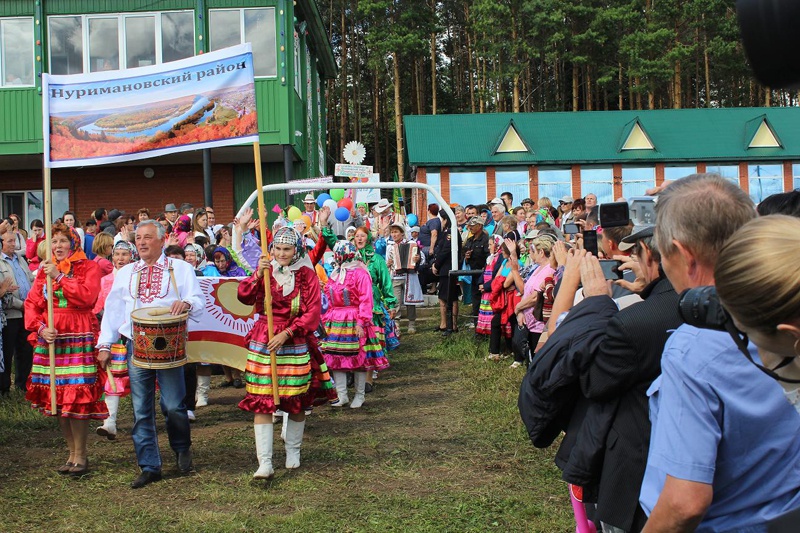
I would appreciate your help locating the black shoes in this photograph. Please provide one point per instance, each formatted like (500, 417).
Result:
(145, 478)
(185, 461)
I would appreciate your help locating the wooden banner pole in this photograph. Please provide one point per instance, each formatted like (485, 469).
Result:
(48, 224)
(262, 224)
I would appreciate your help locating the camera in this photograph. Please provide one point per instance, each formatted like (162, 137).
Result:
(770, 37)
(614, 214)
(700, 307)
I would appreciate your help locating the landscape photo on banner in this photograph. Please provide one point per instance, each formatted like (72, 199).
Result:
(104, 117)
(219, 335)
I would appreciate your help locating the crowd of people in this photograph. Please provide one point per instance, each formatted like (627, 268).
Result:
(675, 386)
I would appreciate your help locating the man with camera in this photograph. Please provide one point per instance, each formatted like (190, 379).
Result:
(725, 444)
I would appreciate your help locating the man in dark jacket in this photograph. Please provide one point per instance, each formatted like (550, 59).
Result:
(476, 251)
(611, 432)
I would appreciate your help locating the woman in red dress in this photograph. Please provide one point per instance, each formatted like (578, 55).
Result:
(303, 378)
(76, 284)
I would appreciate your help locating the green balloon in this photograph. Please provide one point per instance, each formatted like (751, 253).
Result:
(337, 194)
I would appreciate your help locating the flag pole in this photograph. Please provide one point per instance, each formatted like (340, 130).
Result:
(262, 224)
(48, 223)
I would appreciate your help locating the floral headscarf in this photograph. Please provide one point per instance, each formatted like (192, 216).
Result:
(232, 269)
(346, 257)
(129, 246)
(184, 224)
(284, 275)
(198, 251)
(75, 249)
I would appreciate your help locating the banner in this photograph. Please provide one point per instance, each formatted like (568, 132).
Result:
(367, 196)
(111, 116)
(219, 335)
(300, 183)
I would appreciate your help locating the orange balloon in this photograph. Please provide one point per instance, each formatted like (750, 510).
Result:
(307, 220)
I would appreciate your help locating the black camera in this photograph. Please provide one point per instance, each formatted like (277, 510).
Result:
(771, 39)
(700, 307)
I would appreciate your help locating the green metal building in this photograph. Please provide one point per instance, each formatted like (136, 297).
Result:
(612, 154)
(292, 58)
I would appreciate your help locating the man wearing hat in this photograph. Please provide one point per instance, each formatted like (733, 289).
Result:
(405, 285)
(565, 215)
(528, 205)
(171, 212)
(476, 250)
(623, 349)
(310, 205)
(386, 216)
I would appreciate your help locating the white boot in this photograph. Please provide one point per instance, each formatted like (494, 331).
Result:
(340, 381)
(284, 422)
(203, 384)
(361, 384)
(294, 439)
(263, 451)
(109, 427)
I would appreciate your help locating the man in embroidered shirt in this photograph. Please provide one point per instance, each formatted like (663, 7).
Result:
(152, 282)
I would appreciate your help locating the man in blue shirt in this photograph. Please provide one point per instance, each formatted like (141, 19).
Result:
(15, 337)
(725, 443)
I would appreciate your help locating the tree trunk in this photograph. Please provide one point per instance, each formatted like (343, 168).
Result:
(767, 97)
(676, 86)
(433, 73)
(589, 92)
(470, 78)
(376, 119)
(343, 134)
(575, 96)
(398, 117)
(619, 94)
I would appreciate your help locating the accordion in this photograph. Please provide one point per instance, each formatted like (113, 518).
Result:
(406, 258)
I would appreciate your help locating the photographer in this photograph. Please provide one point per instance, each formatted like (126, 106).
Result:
(725, 445)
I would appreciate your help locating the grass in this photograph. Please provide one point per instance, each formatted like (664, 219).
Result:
(438, 446)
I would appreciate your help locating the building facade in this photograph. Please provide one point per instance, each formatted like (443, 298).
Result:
(292, 59)
(613, 154)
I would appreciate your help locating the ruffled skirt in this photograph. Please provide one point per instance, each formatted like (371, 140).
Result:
(118, 364)
(485, 315)
(303, 377)
(344, 350)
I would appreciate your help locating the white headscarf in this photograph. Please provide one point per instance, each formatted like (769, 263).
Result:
(284, 275)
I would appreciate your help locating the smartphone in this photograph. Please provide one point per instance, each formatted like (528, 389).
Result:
(590, 241)
(611, 269)
(571, 229)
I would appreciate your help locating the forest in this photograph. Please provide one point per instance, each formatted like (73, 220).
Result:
(402, 57)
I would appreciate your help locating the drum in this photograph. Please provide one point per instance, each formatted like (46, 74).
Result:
(159, 338)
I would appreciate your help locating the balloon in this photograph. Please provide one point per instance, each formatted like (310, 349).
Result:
(346, 202)
(342, 214)
(412, 219)
(321, 199)
(337, 194)
(330, 204)
(293, 213)
(307, 220)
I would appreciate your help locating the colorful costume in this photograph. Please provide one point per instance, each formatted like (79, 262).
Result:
(303, 378)
(78, 381)
(485, 313)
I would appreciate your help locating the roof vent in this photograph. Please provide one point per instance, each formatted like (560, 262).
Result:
(764, 137)
(511, 141)
(637, 139)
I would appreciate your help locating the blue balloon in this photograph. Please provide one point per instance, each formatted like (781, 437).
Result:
(321, 199)
(412, 219)
(342, 214)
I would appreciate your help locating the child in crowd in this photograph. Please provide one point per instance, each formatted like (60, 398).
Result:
(485, 312)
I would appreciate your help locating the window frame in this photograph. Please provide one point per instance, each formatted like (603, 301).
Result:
(2, 55)
(737, 180)
(651, 183)
(121, 34)
(567, 183)
(511, 186)
(679, 166)
(241, 11)
(473, 172)
(751, 180)
(587, 185)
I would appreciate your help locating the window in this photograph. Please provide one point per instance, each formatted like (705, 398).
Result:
(729, 172)
(16, 52)
(636, 180)
(228, 27)
(764, 180)
(796, 173)
(297, 81)
(92, 43)
(555, 183)
(467, 187)
(28, 205)
(676, 173)
(598, 181)
(513, 180)
(432, 179)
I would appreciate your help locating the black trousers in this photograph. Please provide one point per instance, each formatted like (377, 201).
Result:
(190, 379)
(497, 334)
(17, 348)
(523, 343)
(477, 279)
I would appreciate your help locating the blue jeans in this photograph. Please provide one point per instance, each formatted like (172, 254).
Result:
(143, 394)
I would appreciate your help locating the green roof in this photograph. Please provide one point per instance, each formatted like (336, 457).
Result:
(678, 135)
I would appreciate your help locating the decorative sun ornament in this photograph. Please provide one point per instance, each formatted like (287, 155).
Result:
(354, 152)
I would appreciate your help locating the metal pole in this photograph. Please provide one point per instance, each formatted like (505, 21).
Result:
(207, 195)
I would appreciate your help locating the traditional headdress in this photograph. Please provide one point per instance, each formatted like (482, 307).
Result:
(129, 246)
(284, 275)
(75, 249)
(346, 257)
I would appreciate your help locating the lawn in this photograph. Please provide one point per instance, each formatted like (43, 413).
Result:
(438, 446)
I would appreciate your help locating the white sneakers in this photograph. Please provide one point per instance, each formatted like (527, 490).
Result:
(264, 451)
(515, 364)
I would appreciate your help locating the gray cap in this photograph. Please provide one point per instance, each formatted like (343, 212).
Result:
(639, 232)
(170, 207)
(475, 221)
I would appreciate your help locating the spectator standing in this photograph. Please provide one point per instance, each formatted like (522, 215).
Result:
(32, 244)
(15, 338)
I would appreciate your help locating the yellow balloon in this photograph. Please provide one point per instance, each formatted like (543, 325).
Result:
(293, 213)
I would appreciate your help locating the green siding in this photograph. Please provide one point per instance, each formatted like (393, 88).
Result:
(82, 7)
(217, 4)
(21, 111)
(16, 8)
(271, 106)
(244, 183)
